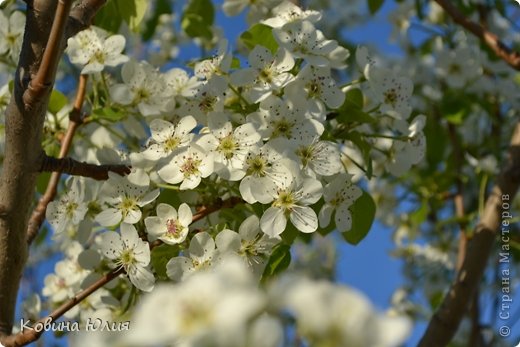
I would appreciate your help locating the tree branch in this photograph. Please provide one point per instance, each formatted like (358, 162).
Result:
(81, 16)
(446, 320)
(38, 215)
(76, 168)
(491, 40)
(458, 198)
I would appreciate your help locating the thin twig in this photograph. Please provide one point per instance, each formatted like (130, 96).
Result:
(491, 40)
(458, 198)
(38, 215)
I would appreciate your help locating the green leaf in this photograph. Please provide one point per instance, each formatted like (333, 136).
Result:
(456, 117)
(107, 18)
(108, 113)
(375, 5)
(353, 99)
(235, 63)
(418, 216)
(169, 196)
(161, 7)
(160, 257)
(112, 15)
(363, 213)
(290, 234)
(279, 261)
(352, 108)
(42, 181)
(436, 143)
(133, 12)
(198, 18)
(57, 101)
(260, 34)
(365, 149)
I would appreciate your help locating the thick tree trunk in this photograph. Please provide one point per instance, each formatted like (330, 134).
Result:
(25, 114)
(23, 129)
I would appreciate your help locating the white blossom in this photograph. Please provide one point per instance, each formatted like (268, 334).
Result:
(169, 226)
(277, 117)
(339, 195)
(167, 137)
(188, 166)
(11, 33)
(267, 73)
(327, 314)
(142, 87)
(128, 251)
(249, 243)
(292, 198)
(93, 49)
(229, 146)
(70, 209)
(288, 12)
(123, 199)
(304, 41)
(391, 90)
(201, 256)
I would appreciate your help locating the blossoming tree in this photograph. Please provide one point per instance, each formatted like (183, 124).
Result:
(178, 188)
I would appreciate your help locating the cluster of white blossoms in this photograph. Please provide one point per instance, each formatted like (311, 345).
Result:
(264, 135)
(225, 307)
(258, 133)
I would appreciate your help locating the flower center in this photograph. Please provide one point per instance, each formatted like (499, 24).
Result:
(256, 166)
(207, 103)
(391, 96)
(171, 143)
(190, 167)
(283, 128)
(227, 147)
(285, 200)
(71, 208)
(127, 204)
(306, 154)
(172, 227)
(127, 257)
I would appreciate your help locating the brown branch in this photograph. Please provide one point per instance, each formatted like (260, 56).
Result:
(458, 198)
(38, 215)
(44, 78)
(475, 336)
(81, 16)
(76, 168)
(446, 320)
(25, 337)
(488, 38)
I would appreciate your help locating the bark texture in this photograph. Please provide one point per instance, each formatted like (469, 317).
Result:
(24, 119)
